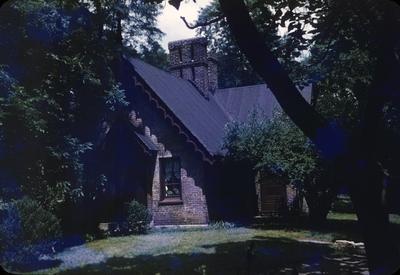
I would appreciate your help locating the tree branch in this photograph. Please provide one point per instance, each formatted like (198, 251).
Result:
(202, 24)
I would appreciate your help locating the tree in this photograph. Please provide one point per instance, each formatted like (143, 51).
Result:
(278, 147)
(59, 88)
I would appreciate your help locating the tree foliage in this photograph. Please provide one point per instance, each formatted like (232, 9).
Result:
(58, 88)
(276, 145)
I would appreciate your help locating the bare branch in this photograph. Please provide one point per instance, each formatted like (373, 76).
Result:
(202, 24)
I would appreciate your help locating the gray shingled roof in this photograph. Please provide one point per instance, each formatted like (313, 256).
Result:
(204, 119)
(239, 102)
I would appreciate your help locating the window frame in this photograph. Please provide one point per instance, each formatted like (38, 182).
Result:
(163, 183)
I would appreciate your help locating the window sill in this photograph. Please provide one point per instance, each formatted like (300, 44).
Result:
(170, 201)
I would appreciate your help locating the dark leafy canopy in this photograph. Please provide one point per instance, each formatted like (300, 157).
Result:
(58, 87)
(235, 70)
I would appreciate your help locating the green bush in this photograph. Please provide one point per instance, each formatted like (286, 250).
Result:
(139, 218)
(221, 225)
(343, 204)
(27, 231)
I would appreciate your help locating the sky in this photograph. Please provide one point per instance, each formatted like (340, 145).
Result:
(171, 23)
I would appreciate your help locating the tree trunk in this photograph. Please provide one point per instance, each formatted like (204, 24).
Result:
(366, 194)
(320, 190)
(317, 216)
(318, 208)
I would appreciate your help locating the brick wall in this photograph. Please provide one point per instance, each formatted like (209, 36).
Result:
(193, 207)
(192, 210)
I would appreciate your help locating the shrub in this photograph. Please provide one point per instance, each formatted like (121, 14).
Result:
(343, 204)
(139, 218)
(221, 225)
(27, 230)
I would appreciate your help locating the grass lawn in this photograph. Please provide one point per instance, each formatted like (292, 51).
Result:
(272, 247)
(394, 218)
(216, 251)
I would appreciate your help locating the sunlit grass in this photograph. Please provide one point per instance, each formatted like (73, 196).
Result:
(342, 216)
(158, 243)
(394, 218)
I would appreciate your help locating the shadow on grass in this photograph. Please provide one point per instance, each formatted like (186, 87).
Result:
(30, 266)
(256, 256)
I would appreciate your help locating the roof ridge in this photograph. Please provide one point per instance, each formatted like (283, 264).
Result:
(241, 87)
(161, 70)
(228, 116)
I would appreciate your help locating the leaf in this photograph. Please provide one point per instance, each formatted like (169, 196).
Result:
(175, 3)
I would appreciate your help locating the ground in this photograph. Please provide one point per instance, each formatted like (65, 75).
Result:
(215, 251)
(268, 248)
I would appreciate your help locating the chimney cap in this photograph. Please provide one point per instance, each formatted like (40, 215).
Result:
(179, 43)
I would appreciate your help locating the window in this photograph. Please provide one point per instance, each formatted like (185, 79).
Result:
(170, 175)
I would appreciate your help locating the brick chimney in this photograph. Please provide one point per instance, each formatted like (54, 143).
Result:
(189, 60)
